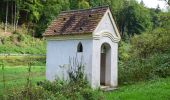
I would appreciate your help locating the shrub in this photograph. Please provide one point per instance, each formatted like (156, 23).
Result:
(147, 57)
(137, 69)
(35, 93)
(76, 88)
(89, 94)
(124, 49)
(146, 44)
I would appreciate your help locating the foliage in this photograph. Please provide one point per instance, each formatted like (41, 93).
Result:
(137, 69)
(83, 4)
(34, 94)
(146, 57)
(124, 49)
(160, 19)
(21, 44)
(151, 42)
(67, 90)
(137, 19)
(131, 17)
(140, 91)
(49, 12)
(71, 90)
(33, 9)
(144, 53)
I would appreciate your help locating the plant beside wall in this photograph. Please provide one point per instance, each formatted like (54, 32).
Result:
(75, 88)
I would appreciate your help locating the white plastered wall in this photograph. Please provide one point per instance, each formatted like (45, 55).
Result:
(59, 53)
(105, 32)
(96, 62)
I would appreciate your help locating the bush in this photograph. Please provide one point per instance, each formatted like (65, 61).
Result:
(34, 93)
(135, 69)
(124, 49)
(146, 44)
(147, 57)
(76, 88)
(89, 94)
(71, 90)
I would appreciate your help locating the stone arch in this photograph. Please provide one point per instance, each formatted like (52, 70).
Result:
(105, 64)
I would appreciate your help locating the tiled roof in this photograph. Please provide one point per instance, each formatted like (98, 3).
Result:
(76, 22)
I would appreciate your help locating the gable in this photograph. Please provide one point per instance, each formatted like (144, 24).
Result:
(107, 26)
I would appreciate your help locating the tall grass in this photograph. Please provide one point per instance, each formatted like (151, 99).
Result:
(3, 79)
(28, 84)
(75, 88)
(23, 60)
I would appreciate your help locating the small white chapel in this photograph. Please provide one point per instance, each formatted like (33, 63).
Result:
(89, 35)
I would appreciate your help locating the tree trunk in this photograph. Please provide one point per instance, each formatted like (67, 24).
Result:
(15, 18)
(12, 14)
(6, 22)
(16, 22)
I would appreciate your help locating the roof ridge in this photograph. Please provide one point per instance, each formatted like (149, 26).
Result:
(78, 10)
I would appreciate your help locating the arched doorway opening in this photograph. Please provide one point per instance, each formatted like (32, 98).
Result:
(105, 65)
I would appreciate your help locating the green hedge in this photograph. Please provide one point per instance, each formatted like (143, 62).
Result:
(136, 69)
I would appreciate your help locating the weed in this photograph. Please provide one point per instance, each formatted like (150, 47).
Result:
(3, 79)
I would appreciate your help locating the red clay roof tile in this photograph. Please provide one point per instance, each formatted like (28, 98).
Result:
(76, 22)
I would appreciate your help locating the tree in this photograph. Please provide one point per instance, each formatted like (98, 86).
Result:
(138, 20)
(134, 19)
(164, 21)
(95, 3)
(33, 9)
(168, 2)
(17, 10)
(73, 4)
(142, 3)
(131, 17)
(50, 10)
(6, 20)
(83, 5)
(158, 9)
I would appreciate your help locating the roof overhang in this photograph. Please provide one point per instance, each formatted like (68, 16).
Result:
(70, 37)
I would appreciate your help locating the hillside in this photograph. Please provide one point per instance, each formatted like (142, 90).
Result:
(20, 42)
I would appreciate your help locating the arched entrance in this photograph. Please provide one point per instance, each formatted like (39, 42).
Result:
(105, 65)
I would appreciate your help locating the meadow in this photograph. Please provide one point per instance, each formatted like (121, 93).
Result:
(15, 77)
(158, 89)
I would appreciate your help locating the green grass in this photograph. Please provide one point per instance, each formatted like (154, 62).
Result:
(152, 90)
(16, 77)
(23, 60)
(20, 42)
(159, 89)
